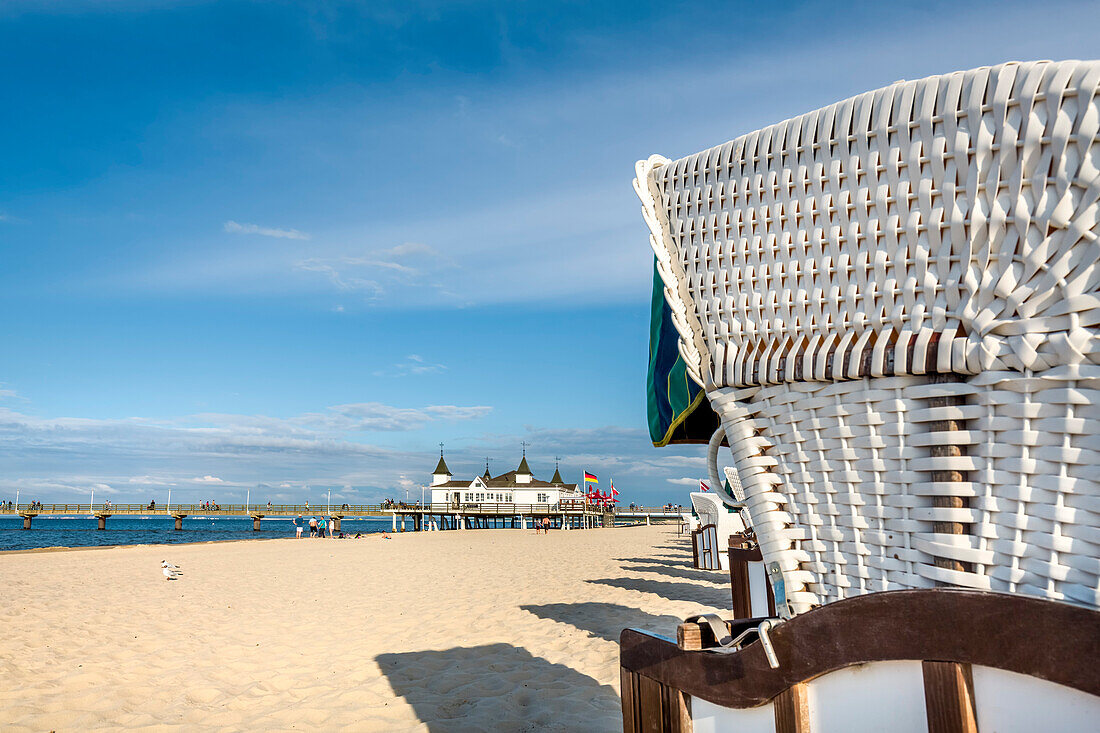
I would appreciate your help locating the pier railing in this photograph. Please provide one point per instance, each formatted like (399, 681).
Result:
(344, 510)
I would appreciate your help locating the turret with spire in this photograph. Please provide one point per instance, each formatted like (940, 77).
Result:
(557, 474)
(441, 474)
(523, 473)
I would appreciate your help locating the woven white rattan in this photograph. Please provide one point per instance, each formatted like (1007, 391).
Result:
(826, 272)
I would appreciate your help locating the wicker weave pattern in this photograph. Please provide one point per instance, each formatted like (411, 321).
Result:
(841, 490)
(829, 274)
(957, 211)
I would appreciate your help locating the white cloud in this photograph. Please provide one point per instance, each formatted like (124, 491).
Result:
(684, 481)
(412, 365)
(375, 416)
(292, 458)
(234, 228)
(410, 264)
(150, 481)
(300, 457)
(341, 278)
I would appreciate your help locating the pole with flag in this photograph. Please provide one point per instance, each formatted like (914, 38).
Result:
(590, 493)
(703, 486)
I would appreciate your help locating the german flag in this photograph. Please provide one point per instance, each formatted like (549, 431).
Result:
(590, 478)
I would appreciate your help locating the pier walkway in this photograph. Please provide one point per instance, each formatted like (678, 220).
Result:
(571, 514)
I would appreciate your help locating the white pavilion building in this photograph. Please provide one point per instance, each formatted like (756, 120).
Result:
(515, 487)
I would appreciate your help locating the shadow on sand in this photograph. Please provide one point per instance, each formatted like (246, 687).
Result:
(604, 620)
(498, 687)
(703, 576)
(674, 591)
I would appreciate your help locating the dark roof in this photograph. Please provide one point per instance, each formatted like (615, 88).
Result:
(486, 475)
(523, 467)
(557, 477)
(441, 467)
(507, 481)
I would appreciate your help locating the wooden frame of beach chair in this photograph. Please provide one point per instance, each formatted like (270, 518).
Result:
(892, 304)
(751, 594)
(943, 661)
(704, 548)
(716, 524)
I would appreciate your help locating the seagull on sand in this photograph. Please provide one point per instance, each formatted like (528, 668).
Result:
(171, 572)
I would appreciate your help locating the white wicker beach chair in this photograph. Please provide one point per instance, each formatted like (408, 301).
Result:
(717, 521)
(892, 303)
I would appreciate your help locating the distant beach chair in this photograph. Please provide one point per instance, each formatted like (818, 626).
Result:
(892, 304)
(717, 522)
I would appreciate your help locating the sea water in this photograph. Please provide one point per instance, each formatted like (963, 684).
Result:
(48, 531)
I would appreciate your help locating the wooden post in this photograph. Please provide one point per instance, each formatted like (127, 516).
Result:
(336, 524)
(792, 710)
(741, 552)
(101, 522)
(26, 520)
(951, 502)
(179, 521)
(649, 705)
(256, 522)
(949, 697)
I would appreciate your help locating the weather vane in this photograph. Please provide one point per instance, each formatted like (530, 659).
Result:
(524, 444)
(440, 450)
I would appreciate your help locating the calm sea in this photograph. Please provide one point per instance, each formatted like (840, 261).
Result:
(82, 532)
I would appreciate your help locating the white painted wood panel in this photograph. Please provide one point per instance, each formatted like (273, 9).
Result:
(1008, 702)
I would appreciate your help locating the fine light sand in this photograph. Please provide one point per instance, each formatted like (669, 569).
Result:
(476, 630)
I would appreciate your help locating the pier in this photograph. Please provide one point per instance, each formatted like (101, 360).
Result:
(413, 516)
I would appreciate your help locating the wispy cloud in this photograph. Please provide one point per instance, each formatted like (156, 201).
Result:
(295, 458)
(340, 277)
(11, 394)
(234, 228)
(684, 481)
(375, 272)
(412, 365)
(65, 456)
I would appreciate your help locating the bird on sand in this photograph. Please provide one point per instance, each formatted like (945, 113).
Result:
(170, 571)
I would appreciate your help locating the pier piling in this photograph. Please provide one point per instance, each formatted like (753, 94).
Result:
(179, 520)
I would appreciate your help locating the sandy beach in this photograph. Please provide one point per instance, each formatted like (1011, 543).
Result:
(474, 630)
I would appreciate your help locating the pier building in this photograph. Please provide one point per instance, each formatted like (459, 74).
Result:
(514, 487)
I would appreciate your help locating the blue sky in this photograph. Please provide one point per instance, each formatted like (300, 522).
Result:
(296, 246)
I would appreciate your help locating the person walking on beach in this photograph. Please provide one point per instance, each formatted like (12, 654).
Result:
(322, 528)
(313, 526)
(297, 521)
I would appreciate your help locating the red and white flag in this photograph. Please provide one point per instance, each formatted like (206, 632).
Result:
(703, 486)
